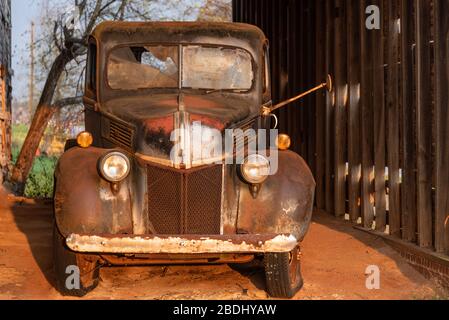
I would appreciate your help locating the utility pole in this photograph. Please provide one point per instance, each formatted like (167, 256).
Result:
(31, 89)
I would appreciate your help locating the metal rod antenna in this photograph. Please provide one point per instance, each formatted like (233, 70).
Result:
(328, 85)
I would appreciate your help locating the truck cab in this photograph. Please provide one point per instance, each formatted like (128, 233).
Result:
(170, 169)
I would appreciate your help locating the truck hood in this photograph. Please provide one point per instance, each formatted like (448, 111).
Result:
(156, 117)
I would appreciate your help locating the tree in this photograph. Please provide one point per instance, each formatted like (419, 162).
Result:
(63, 48)
(68, 38)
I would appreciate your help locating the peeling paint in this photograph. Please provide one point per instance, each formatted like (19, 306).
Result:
(290, 206)
(177, 245)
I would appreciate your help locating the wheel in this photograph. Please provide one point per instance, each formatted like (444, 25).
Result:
(64, 262)
(283, 273)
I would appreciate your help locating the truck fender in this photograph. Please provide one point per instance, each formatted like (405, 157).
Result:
(284, 204)
(84, 202)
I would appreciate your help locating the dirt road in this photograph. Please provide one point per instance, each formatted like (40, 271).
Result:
(335, 257)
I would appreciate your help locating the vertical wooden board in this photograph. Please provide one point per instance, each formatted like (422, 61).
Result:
(392, 101)
(294, 70)
(340, 88)
(329, 111)
(442, 127)
(408, 188)
(320, 104)
(354, 75)
(267, 18)
(302, 76)
(274, 52)
(309, 103)
(379, 123)
(367, 121)
(424, 122)
(283, 76)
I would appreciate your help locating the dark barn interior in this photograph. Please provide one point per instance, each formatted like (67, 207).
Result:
(378, 145)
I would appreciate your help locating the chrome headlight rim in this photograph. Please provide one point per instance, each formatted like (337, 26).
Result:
(108, 155)
(248, 179)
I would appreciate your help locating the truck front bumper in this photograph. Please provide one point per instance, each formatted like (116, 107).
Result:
(245, 244)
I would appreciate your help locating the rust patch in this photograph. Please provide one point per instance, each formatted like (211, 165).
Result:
(178, 245)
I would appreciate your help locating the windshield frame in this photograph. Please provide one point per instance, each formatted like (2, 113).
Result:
(180, 66)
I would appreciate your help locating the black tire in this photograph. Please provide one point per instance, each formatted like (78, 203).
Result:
(283, 274)
(63, 257)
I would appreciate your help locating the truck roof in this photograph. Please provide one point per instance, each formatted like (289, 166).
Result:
(176, 32)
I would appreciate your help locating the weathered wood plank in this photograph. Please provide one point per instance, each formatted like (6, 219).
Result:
(340, 72)
(408, 189)
(442, 127)
(379, 124)
(392, 101)
(310, 70)
(424, 122)
(354, 78)
(367, 138)
(320, 105)
(330, 138)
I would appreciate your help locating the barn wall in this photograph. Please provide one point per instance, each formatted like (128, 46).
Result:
(379, 143)
(5, 86)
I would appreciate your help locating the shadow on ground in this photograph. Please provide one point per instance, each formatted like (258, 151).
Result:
(335, 257)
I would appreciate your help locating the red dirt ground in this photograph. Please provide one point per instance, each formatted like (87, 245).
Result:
(335, 257)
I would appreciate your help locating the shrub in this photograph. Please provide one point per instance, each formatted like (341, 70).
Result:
(40, 182)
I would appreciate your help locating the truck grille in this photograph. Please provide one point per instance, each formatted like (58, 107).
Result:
(185, 201)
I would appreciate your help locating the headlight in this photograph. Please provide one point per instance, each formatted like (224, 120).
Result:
(114, 166)
(255, 169)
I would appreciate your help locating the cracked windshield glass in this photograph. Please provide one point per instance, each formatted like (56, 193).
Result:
(210, 68)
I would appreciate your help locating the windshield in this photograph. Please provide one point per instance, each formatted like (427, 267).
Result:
(209, 68)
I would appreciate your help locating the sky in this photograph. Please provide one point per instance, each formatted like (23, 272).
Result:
(26, 11)
(23, 12)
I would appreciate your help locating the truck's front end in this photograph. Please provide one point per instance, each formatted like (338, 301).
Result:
(165, 172)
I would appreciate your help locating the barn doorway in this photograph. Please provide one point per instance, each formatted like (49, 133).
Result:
(378, 145)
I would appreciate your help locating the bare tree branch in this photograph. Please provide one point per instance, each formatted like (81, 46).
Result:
(68, 102)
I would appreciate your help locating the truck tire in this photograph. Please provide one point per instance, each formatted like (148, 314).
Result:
(283, 274)
(64, 261)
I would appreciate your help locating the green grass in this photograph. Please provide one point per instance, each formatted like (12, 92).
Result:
(41, 179)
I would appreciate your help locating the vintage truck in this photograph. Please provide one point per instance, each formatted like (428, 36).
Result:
(120, 197)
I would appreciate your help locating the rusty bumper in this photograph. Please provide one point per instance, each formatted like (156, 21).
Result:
(181, 244)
